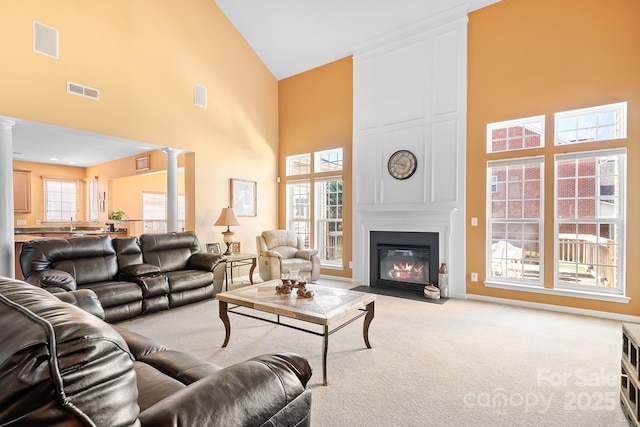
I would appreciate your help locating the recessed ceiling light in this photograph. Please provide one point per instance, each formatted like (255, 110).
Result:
(54, 159)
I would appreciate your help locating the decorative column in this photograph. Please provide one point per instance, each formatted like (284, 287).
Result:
(7, 246)
(172, 189)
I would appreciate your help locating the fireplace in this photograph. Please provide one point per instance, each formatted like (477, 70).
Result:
(403, 260)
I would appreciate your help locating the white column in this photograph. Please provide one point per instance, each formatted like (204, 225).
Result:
(172, 189)
(7, 248)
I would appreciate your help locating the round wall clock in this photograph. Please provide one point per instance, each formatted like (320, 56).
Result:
(402, 164)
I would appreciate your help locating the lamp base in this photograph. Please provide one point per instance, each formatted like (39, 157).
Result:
(228, 251)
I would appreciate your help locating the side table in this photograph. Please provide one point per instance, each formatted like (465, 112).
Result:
(238, 260)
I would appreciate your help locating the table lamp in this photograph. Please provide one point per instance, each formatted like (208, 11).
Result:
(227, 218)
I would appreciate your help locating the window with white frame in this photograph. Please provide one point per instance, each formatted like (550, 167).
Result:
(515, 225)
(329, 220)
(589, 193)
(600, 123)
(154, 212)
(92, 199)
(314, 205)
(299, 164)
(328, 161)
(590, 215)
(515, 134)
(299, 209)
(60, 200)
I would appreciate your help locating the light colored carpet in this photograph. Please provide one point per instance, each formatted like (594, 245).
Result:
(463, 363)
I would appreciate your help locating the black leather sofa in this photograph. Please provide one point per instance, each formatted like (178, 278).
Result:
(188, 271)
(116, 271)
(62, 365)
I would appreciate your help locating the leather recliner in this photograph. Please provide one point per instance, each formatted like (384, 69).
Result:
(66, 264)
(191, 274)
(62, 365)
(281, 250)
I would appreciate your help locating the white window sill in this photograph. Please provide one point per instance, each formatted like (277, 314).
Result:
(560, 292)
(331, 267)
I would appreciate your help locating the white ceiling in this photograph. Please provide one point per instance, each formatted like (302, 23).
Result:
(44, 143)
(292, 36)
(289, 36)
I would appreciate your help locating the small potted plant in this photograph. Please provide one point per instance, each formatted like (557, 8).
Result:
(115, 216)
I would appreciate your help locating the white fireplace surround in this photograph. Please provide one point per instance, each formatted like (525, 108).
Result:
(439, 221)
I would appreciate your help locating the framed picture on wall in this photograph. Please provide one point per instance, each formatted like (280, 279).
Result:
(214, 248)
(243, 197)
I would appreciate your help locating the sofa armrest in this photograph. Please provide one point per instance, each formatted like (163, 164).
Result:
(205, 261)
(248, 393)
(53, 280)
(85, 299)
(274, 254)
(139, 270)
(306, 253)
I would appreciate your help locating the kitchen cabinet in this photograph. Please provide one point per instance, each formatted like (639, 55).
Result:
(21, 191)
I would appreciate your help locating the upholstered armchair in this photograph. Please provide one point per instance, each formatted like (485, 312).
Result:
(281, 250)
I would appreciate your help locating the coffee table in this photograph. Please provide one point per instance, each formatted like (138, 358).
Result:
(332, 308)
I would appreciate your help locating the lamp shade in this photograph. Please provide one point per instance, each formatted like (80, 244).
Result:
(227, 218)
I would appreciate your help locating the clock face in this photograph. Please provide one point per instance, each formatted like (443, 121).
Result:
(402, 164)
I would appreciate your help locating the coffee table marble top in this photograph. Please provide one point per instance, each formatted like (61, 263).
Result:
(325, 307)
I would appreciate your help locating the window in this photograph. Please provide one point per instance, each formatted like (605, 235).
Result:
(591, 124)
(299, 165)
(590, 220)
(299, 209)
(515, 134)
(314, 205)
(329, 220)
(60, 200)
(92, 199)
(154, 212)
(328, 161)
(587, 193)
(515, 220)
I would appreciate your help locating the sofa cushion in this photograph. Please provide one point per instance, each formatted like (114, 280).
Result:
(87, 259)
(183, 280)
(116, 293)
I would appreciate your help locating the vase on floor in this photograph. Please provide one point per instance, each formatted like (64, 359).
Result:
(443, 281)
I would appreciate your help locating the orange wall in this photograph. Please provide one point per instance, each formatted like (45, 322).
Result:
(533, 57)
(145, 57)
(316, 113)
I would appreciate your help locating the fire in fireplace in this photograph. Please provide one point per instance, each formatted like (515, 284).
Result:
(404, 265)
(404, 260)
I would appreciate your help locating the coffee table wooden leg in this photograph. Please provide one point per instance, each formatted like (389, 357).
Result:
(367, 321)
(324, 355)
(224, 316)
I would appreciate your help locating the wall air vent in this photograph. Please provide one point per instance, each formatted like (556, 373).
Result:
(200, 96)
(45, 39)
(81, 90)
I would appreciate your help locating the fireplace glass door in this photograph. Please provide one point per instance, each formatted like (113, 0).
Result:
(402, 264)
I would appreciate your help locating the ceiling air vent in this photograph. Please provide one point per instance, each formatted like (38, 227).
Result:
(200, 96)
(81, 90)
(45, 39)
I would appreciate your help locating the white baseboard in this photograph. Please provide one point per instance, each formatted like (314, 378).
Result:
(558, 308)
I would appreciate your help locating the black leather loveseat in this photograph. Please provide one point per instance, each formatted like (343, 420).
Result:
(61, 365)
(116, 271)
